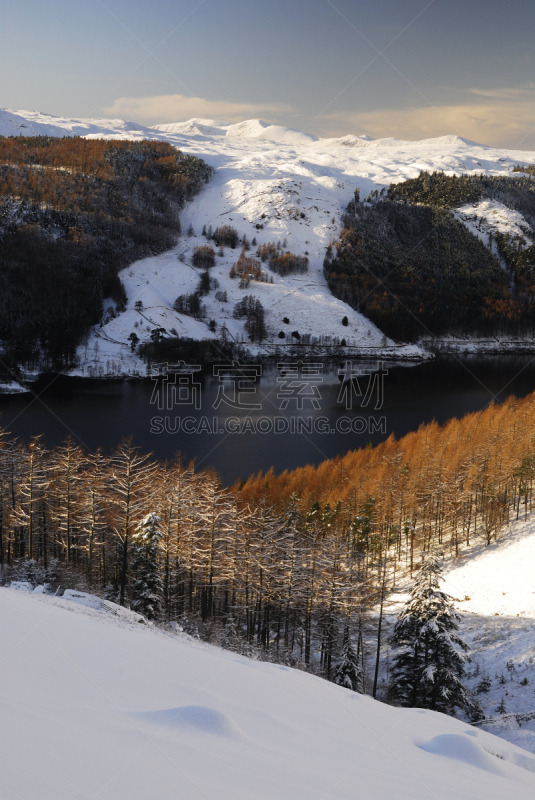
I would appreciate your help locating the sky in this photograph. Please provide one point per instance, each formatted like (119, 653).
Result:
(405, 68)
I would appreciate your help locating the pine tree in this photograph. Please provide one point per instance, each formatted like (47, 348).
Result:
(501, 709)
(231, 637)
(147, 590)
(429, 666)
(348, 672)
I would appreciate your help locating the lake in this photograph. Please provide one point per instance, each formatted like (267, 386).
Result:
(300, 416)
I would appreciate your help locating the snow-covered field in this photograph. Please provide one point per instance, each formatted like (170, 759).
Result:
(98, 707)
(296, 187)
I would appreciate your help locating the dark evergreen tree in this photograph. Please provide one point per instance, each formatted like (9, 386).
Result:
(231, 637)
(349, 672)
(429, 665)
(501, 709)
(147, 590)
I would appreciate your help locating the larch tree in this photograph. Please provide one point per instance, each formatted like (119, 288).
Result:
(33, 482)
(67, 464)
(130, 490)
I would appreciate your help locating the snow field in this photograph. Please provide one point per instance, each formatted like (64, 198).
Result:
(497, 579)
(94, 707)
(491, 217)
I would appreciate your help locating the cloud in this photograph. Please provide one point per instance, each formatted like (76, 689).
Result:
(504, 123)
(179, 108)
(507, 93)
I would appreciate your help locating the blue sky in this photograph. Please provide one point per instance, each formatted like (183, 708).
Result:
(407, 68)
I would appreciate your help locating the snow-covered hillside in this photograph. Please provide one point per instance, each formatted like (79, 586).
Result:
(498, 579)
(99, 707)
(492, 217)
(274, 184)
(495, 591)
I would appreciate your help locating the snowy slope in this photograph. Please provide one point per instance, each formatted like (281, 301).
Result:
(257, 129)
(93, 707)
(492, 217)
(34, 123)
(498, 579)
(495, 590)
(291, 185)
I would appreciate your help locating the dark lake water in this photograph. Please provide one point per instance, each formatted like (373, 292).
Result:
(314, 425)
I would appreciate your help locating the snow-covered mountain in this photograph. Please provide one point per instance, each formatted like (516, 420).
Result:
(98, 706)
(274, 184)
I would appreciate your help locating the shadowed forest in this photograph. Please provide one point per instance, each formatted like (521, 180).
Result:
(73, 213)
(405, 262)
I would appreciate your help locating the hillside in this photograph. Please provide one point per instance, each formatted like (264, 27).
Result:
(492, 586)
(441, 255)
(97, 707)
(495, 593)
(74, 212)
(271, 189)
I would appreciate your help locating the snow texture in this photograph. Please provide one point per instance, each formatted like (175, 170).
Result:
(491, 217)
(97, 706)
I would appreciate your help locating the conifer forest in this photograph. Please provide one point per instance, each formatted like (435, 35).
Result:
(292, 564)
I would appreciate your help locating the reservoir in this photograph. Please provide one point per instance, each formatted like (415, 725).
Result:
(257, 418)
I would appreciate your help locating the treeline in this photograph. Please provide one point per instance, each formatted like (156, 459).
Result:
(73, 212)
(414, 270)
(529, 169)
(291, 583)
(451, 191)
(452, 486)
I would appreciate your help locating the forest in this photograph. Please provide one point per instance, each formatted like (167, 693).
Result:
(290, 566)
(404, 261)
(73, 213)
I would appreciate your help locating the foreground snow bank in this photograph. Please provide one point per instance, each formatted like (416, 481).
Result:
(94, 706)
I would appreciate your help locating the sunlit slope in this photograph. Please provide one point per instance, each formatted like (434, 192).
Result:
(96, 709)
